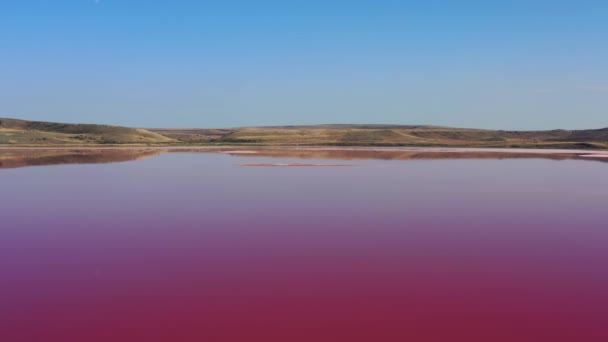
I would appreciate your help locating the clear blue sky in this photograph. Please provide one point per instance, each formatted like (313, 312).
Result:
(521, 64)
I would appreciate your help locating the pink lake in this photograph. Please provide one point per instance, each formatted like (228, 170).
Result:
(153, 245)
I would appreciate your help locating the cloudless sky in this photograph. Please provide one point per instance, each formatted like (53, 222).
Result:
(520, 64)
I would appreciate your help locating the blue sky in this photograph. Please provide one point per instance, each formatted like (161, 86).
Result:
(185, 63)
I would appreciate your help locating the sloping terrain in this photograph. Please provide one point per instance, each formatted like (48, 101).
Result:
(387, 135)
(22, 132)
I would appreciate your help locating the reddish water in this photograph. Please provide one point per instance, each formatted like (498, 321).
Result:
(191, 247)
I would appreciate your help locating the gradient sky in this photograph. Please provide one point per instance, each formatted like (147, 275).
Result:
(520, 64)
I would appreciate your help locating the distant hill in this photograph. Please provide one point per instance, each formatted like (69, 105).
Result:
(22, 132)
(391, 135)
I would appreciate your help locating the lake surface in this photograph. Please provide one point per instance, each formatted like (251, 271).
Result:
(213, 245)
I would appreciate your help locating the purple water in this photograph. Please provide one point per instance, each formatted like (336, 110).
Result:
(193, 247)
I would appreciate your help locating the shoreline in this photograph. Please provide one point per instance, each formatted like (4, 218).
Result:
(236, 150)
(12, 157)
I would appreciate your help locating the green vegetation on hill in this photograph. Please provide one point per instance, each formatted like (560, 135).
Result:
(392, 135)
(22, 132)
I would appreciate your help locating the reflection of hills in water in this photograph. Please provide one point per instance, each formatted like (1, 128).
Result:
(14, 158)
(22, 158)
(354, 154)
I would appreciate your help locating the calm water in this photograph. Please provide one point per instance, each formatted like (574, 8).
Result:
(194, 247)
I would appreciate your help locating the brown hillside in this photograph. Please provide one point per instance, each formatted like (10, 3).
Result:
(22, 132)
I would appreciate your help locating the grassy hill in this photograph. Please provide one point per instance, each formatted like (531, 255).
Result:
(391, 135)
(22, 132)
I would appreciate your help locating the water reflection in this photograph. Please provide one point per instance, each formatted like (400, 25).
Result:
(420, 154)
(16, 157)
